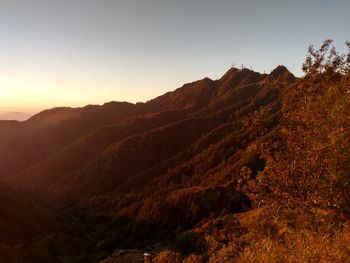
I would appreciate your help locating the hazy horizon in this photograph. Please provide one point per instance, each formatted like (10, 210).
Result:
(174, 131)
(33, 111)
(74, 53)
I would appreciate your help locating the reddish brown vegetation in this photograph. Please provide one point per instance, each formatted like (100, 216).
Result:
(170, 173)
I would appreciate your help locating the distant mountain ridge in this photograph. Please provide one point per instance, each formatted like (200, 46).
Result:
(150, 169)
(16, 116)
(59, 126)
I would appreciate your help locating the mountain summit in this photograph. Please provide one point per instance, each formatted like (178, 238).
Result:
(157, 168)
(282, 73)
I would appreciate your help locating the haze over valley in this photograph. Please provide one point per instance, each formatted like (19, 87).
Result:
(174, 131)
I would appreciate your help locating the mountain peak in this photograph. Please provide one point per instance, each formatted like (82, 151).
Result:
(281, 73)
(234, 73)
(230, 72)
(280, 69)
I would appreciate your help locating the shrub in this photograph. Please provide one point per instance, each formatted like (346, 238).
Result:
(308, 158)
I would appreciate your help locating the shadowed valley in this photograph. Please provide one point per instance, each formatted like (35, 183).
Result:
(180, 172)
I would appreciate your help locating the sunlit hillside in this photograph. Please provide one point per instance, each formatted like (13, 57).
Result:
(249, 167)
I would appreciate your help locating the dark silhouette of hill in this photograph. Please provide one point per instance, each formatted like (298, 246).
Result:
(190, 112)
(25, 143)
(16, 116)
(248, 167)
(155, 168)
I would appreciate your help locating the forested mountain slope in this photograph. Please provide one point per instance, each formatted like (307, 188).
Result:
(182, 170)
(161, 166)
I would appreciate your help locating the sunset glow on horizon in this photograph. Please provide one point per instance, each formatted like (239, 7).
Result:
(73, 53)
(33, 94)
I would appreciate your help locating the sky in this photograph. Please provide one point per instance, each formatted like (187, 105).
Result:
(77, 52)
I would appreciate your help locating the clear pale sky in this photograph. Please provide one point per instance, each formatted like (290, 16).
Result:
(76, 52)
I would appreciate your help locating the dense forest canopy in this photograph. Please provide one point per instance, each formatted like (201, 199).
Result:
(247, 168)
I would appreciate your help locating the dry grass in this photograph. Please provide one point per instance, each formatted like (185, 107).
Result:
(167, 256)
(304, 246)
(274, 234)
(285, 235)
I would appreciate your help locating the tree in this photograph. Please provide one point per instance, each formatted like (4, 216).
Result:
(308, 157)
